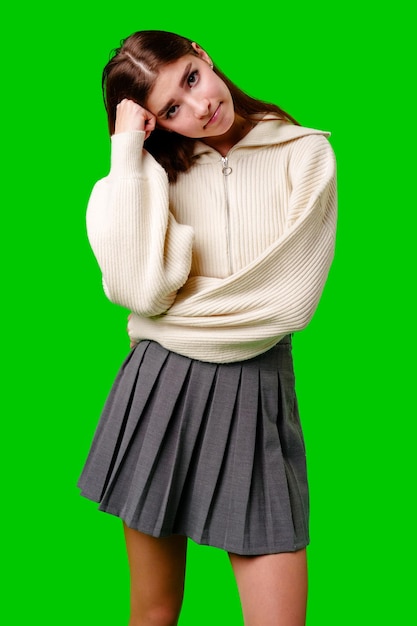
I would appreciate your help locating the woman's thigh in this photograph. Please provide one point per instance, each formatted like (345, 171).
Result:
(272, 588)
(157, 571)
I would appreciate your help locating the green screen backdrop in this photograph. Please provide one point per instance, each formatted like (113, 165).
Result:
(343, 67)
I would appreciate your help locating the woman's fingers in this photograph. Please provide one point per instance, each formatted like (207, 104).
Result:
(133, 343)
(131, 116)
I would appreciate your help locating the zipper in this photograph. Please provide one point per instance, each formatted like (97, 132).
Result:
(226, 171)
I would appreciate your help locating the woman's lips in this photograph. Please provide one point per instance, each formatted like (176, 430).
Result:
(214, 117)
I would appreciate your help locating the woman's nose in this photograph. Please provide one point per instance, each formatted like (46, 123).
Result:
(201, 108)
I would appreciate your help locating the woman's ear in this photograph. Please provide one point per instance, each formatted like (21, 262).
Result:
(202, 53)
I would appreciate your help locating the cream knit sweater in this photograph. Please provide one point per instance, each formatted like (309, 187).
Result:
(222, 264)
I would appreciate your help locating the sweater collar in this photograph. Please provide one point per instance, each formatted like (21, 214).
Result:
(267, 132)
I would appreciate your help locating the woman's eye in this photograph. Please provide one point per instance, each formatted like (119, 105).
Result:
(191, 81)
(171, 111)
(193, 77)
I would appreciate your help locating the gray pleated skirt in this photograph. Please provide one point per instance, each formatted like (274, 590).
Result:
(214, 452)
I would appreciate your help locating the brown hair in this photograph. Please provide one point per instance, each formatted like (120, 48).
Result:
(131, 73)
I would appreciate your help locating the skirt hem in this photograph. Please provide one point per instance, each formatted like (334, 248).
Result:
(278, 548)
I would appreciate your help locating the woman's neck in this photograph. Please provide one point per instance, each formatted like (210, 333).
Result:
(238, 130)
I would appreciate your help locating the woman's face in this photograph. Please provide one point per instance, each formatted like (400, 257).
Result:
(190, 99)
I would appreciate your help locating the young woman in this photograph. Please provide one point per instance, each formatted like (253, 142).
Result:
(215, 227)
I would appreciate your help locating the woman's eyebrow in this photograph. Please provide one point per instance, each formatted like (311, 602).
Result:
(185, 75)
(181, 84)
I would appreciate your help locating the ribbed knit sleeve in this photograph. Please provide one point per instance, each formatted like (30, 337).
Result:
(143, 253)
(275, 294)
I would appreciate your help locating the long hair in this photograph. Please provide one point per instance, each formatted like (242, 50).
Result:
(131, 73)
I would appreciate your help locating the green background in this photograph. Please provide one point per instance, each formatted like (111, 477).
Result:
(344, 67)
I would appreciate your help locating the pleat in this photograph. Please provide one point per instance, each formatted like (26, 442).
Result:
(211, 451)
(230, 512)
(273, 474)
(116, 412)
(206, 484)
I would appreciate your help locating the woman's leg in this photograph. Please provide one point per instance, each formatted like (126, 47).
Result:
(157, 570)
(272, 588)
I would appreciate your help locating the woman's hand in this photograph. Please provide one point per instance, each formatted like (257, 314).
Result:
(133, 343)
(131, 116)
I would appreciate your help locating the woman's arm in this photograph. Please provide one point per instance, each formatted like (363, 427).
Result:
(143, 253)
(279, 292)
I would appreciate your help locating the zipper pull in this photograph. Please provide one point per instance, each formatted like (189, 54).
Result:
(226, 169)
